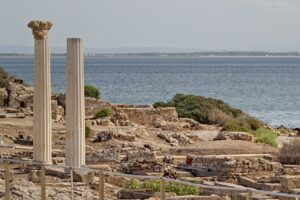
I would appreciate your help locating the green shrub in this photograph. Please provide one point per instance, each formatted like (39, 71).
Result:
(266, 136)
(91, 91)
(132, 184)
(105, 112)
(161, 104)
(88, 131)
(199, 108)
(290, 152)
(237, 125)
(254, 123)
(243, 123)
(178, 188)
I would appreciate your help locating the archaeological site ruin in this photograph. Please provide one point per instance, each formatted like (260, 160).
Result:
(58, 146)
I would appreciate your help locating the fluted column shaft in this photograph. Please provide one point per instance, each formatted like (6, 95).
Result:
(42, 93)
(75, 111)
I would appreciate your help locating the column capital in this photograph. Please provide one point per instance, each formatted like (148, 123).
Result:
(40, 29)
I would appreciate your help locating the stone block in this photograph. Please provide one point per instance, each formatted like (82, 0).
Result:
(134, 194)
(289, 182)
(248, 182)
(56, 172)
(83, 176)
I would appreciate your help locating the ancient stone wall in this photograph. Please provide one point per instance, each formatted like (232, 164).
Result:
(16, 95)
(229, 168)
(93, 105)
(165, 118)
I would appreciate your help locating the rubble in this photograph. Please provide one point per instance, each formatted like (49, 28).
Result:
(225, 135)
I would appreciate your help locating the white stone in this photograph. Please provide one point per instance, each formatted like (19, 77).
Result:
(75, 111)
(42, 93)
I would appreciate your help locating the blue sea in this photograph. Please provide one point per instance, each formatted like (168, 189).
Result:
(265, 87)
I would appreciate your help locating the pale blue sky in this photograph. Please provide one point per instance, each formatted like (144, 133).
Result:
(200, 24)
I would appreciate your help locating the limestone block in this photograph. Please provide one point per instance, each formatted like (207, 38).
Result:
(57, 172)
(82, 176)
(290, 182)
(134, 194)
(253, 164)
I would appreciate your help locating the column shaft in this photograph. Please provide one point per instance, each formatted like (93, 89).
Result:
(42, 103)
(75, 111)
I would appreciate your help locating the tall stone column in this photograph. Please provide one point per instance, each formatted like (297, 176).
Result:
(42, 93)
(75, 111)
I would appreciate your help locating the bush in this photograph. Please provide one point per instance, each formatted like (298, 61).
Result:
(254, 123)
(91, 91)
(290, 152)
(266, 136)
(178, 188)
(88, 131)
(105, 112)
(243, 123)
(161, 104)
(237, 125)
(199, 108)
(218, 117)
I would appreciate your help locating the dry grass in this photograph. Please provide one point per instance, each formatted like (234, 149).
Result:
(218, 117)
(290, 152)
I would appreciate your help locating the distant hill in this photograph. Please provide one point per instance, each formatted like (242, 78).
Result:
(146, 51)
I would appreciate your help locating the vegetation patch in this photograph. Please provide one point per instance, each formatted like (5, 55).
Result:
(266, 136)
(178, 188)
(91, 91)
(214, 111)
(105, 112)
(88, 131)
(290, 152)
(243, 123)
(202, 109)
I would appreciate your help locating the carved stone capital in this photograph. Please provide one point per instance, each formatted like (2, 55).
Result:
(40, 29)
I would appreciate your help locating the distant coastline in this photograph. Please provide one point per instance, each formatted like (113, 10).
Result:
(193, 54)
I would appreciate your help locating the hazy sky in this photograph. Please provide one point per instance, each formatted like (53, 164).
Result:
(200, 24)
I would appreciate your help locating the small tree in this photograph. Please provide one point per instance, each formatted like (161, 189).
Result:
(91, 91)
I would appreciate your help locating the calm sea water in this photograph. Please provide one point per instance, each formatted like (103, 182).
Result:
(266, 87)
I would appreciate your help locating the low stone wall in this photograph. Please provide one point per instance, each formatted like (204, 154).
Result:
(228, 168)
(92, 106)
(16, 95)
(165, 118)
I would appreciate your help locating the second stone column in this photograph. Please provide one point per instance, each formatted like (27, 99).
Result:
(75, 105)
